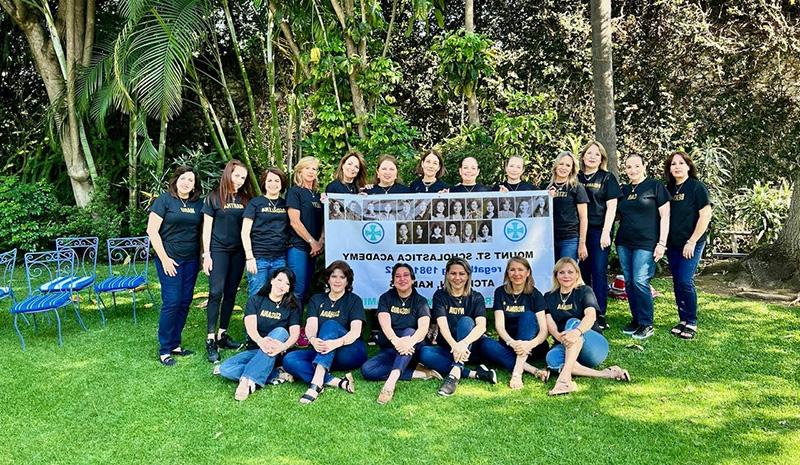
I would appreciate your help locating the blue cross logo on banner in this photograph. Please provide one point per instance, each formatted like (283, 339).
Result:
(515, 230)
(372, 232)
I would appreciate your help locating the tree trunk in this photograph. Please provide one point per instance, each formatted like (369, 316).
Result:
(470, 91)
(356, 94)
(789, 239)
(603, 81)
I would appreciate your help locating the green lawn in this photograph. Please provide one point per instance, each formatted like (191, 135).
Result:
(731, 396)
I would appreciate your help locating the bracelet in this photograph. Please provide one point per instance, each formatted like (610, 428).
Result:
(579, 330)
(662, 244)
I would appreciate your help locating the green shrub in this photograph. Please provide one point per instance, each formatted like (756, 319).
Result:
(31, 217)
(100, 218)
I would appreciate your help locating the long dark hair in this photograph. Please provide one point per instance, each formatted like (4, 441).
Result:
(361, 177)
(226, 192)
(668, 162)
(288, 300)
(172, 187)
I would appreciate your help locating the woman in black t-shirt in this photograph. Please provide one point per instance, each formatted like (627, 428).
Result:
(519, 319)
(641, 241)
(515, 168)
(569, 208)
(265, 231)
(469, 171)
(571, 317)
(350, 176)
(430, 169)
(333, 327)
(386, 178)
(404, 317)
(224, 260)
(174, 230)
(603, 192)
(272, 321)
(460, 315)
(690, 214)
(306, 236)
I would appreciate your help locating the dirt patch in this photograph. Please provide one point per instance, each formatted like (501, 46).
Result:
(721, 278)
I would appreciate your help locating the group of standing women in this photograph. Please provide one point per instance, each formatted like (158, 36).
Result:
(277, 241)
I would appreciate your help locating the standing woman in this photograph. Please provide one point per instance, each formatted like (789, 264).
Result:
(306, 237)
(386, 178)
(690, 214)
(515, 167)
(469, 177)
(350, 175)
(571, 311)
(603, 191)
(569, 208)
(519, 318)
(641, 241)
(404, 317)
(174, 230)
(460, 315)
(265, 231)
(430, 170)
(272, 321)
(223, 260)
(333, 327)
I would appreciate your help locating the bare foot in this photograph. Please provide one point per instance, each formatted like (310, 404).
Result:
(543, 375)
(516, 381)
(618, 373)
(563, 387)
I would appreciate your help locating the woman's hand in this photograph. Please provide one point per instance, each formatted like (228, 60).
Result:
(605, 239)
(460, 352)
(688, 250)
(252, 266)
(270, 346)
(583, 253)
(503, 188)
(207, 264)
(518, 347)
(552, 191)
(316, 343)
(316, 247)
(659, 252)
(170, 267)
(571, 337)
(327, 346)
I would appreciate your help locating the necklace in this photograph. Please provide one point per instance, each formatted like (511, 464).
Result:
(515, 186)
(679, 187)
(565, 300)
(183, 202)
(634, 186)
(385, 189)
(333, 302)
(560, 186)
(402, 300)
(590, 178)
(272, 204)
(516, 297)
(469, 188)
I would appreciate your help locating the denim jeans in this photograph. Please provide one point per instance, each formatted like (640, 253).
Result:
(254, 364)
(176, 297)
(499, 353)
(302, 363)
(567, 248)
(638, 267)
(302, 264)
(388, 359)
(264, 268)
(594, 269)
(683, 281)
(223, 283)
(439, 358)
(593, 352)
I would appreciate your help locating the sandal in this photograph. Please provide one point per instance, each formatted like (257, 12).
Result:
(678, 329)
(244, 389)
(181, 352)
(619, 373)
(167, 361)
(308, 398)
(347, 383)
(429, 373)
(283, 377)
(385, 396)
(688, 332)
(543, 375)
(563, 387)
(515, 382)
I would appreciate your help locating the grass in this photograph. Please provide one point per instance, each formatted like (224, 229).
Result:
(729, 397)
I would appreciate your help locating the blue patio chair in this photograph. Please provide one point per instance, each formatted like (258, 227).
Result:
(84, 273)
(131, 256)
(41, 267)
(7, 260)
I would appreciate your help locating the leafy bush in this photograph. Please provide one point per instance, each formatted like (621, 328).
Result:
(763, 209)
(99, 218)
(31, 216)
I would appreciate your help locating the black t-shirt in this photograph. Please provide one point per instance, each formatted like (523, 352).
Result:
(270, 233)
(307, 202)
(417, 186)
(513, 306)
(226, 232)
(338, 187)
(565, 210)
(520, 186)
(269, 316)
(346, 309)
(601, 187)
(403, 312)
(393, 189)
(563, 307)
(180, 225)
(638, 211)
(476, 188)
(454, 308)
(684, 210)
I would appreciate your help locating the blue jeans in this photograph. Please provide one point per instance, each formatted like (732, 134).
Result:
(302, 265)
(594, 269)
(498, 353)
(176, 297)
(567, 248)
(264, 269)
(439, 358)
(683, 281)
(638, 267)
(593, 352)
(388, 359)
(253, 364)
(302, 363)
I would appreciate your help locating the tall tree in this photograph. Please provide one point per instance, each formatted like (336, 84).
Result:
(472, 99)
(603, 80)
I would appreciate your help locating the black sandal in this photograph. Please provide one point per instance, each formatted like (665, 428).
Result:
(181, 352)
(688, 333)
(307, 399)
(678, 329)
(167, 361)
(347, 383)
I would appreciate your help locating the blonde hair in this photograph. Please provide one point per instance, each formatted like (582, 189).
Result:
(529, 283)
(566, 261)
(463, 264)
(302, 164)
(601, 149)
(572, 180)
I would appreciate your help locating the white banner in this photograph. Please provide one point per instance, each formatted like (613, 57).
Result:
(372, 233)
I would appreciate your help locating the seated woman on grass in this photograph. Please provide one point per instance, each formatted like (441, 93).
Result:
(333, 327)
(404, 317)
(571, 315)
(460, 314)
(272, 322)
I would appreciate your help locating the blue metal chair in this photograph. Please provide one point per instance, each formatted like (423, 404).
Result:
(44, 267)
(84, 272)
(131, 256)
(7, 260)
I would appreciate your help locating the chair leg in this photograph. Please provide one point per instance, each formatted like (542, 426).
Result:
(58, 325)
(78, 315)
(133, 297)
(150, 293)
(16, 327)
(35, 324)
(99, 309)
(114, 299)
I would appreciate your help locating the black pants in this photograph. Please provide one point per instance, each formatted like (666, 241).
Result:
(226, 274)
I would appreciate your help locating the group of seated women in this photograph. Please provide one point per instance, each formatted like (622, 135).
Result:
(524, 319)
